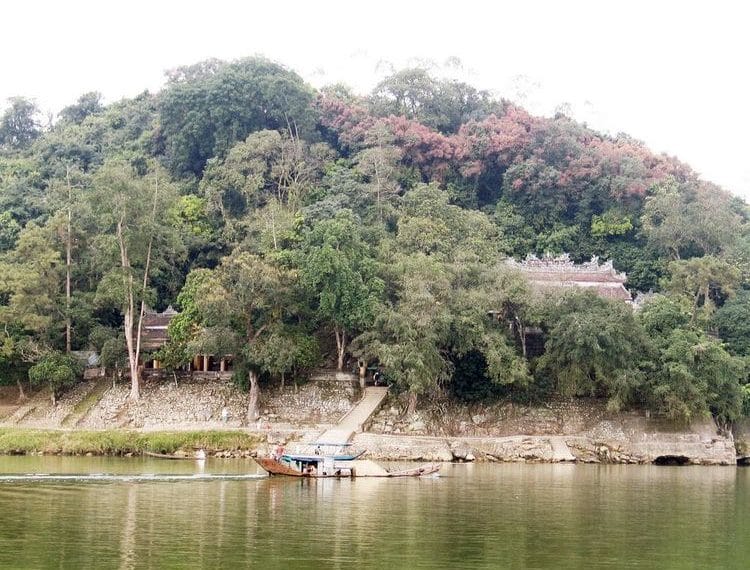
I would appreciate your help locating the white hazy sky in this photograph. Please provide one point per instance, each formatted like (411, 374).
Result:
(673, 74)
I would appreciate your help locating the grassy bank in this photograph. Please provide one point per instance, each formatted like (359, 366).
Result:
(120, 442)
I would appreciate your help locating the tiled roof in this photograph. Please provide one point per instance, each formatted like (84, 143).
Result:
(560, 272)
(155, 325)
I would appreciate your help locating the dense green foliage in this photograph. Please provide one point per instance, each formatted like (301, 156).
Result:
(293, 227)
(55, 370)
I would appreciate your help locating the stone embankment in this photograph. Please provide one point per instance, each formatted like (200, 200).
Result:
(572, 430)
(582, 431)
(187, 404)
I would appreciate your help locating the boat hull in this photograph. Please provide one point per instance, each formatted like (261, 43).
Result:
(274, 467)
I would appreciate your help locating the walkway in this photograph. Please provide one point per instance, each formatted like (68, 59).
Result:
(352, 422)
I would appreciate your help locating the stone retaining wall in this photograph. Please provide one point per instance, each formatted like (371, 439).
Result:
(543, 449)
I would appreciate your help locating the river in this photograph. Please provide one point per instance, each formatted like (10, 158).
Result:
(147, 513)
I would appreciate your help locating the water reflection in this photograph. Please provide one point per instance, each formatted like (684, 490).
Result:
(127, 542)
(475, 516)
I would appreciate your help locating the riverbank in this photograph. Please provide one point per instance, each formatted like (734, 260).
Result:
(26, 441)
(97, 418)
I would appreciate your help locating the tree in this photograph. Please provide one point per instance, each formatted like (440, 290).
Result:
(337, 268)
(429, 224)
(57, 371)
(287, 350)
(663, 314)
(409, 333)
(185, 327)
(695, 377)
(267, 168)
(687, 219)
(733, 323)
(135, 242)
(208, 107)
(19, 124)
(240, 304)
(379, 164)
(31, 278)
(594, 346)
(438, 103)
(706, 281)
(483, 302)
(87, 104)
(9, 230)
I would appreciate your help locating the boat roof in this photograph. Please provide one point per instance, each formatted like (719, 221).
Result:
(311, 458)
(303, 457)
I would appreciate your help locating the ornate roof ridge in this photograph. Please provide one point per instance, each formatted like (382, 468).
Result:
(563, 264)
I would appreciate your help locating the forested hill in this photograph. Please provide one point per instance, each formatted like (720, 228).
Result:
(291, 225)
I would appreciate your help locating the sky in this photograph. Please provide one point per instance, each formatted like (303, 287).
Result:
(672, 74)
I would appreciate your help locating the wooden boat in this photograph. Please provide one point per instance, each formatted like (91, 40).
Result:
(316, 466)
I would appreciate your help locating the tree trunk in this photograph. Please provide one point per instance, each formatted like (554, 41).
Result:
(135, 378)
(135, 391)
(362, 373)
(282, 380)
(21, 394)
(340, 346)
(253, 397)
(522, 335)
(411, 406)
(128, 325)
(54, 398)
(68, 264)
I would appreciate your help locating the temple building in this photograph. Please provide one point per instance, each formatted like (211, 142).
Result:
(554, 275)
(155, 325)
(155, 335)
(557, 273)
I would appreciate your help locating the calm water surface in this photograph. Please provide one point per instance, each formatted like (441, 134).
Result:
(161, 514)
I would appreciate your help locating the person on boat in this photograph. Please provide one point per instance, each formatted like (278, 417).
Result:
(317, 450)
(278, 452)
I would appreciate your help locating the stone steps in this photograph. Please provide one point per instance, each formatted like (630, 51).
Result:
(352, 422)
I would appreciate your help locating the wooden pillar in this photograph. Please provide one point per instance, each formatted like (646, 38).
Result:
(197, 362)
(156, 364)
(205, 363)
(222, 365)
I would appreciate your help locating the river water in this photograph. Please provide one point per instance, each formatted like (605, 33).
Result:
(146, 513)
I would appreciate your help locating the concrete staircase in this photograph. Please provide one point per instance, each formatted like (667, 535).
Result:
(352, 422)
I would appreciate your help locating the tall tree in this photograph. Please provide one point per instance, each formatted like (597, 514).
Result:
(705, 281)
(411, 330)
(240, 304)
(31, 278)
(339, 270)
(19, 124)
(689, 219)
(208, 107)
(379, 163)
(135, 241)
